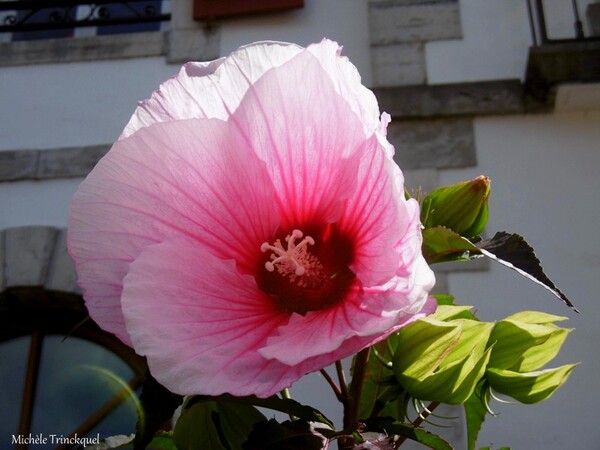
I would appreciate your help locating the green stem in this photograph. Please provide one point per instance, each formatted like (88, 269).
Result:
(353, 398)
(358, 378)
(342, 379)
(285, 394)
(336, 389)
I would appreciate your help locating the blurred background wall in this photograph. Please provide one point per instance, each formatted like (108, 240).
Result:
(473, 87)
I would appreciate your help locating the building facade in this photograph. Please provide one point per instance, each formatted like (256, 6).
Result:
(473, 87)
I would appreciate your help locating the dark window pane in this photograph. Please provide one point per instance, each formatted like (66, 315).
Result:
(141, 9)
(45, 15)
(13, 354)
(76, 378)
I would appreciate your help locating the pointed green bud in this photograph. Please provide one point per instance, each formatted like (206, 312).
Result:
(526, 341)
(442, 361)
(530, 387)
(463, 207)
(522, 344)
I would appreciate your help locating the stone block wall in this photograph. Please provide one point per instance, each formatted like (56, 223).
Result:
(399, 30)
(36, 256)
(68, 162)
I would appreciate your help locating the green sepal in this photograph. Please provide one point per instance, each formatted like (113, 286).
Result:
(448, 368)
(535, 317)
(529, 387)
(452, 312)
(422, 346)
(526, 341)
(455, 383)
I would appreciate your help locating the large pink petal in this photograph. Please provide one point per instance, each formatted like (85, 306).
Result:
(376, 216)
(215, 88)
(347, 83)
(200, 322)
(210, 90)
(195, 178)
(308, 136)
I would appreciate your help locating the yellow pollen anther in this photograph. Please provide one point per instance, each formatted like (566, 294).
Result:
(293, 261)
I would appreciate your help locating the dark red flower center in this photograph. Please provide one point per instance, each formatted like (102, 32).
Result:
(307, 270)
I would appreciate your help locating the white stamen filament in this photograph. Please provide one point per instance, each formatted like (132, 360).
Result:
(294, 257)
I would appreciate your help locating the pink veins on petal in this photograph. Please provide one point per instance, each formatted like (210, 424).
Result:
(250, 225)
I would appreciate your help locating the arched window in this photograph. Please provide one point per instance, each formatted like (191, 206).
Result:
(61, 375)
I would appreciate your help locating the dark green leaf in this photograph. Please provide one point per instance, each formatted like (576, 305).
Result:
(475, 412)
(158, 405)
(215, 425)
(512, 251)
(442, 244)
(196, 429)
(288, 406)
(297, 435)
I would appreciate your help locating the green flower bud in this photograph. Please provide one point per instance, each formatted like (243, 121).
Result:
(442, 361)
(529, 387)
(522, 344)
(463, 207)
(526, 341)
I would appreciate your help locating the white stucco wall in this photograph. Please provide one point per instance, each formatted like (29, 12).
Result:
(61, 105)
(496, 39)
(544, 186)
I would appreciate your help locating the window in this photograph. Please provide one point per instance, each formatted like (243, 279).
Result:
(25, 20)
(61, 375)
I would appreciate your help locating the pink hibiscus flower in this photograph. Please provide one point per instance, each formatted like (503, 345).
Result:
(250, 225)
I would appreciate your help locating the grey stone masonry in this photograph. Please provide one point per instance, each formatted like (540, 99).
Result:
(61, 271)
(476, 98)
(398, 64)
(90, 48)
(435, 143)
(27, 255)
(36, 256)
(194, 44)
(189, 39)
(68, 162)
(18, 165)
(393, 22)
(398, 32)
